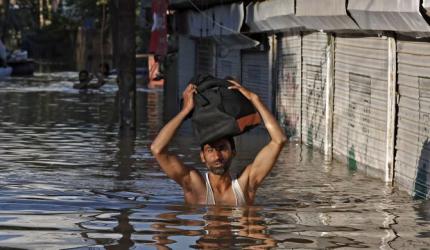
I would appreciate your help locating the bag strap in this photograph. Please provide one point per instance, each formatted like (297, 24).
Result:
(205, 82)
(202, 97)
(212, 83)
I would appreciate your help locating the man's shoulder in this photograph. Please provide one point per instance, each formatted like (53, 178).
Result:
(243, 176)
(194, 175)
(243, 172)
(195, 181)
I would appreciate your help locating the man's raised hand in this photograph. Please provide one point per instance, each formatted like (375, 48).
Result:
(188, 95)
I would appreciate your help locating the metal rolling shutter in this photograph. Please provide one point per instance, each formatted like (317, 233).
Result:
(186, 63)
(288, 96)
(178, 75)
(256, 75)
(313, 96)
(205, 57)
(413, 126)
(228, 63)
(360, 102)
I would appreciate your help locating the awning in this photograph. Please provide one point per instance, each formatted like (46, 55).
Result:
(217, 21)
(426, 6)
(324, 15)
(401, 16)
(271, 15)
(202, 4)
(235, 41)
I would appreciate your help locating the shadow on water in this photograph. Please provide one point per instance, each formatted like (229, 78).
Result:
(421, 188)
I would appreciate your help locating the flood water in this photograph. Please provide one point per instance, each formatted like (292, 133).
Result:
(69, 180)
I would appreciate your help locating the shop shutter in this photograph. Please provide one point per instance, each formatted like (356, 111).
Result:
(186, 62)
(413, 126)
(360, 102)
(205, 57)
(288, 94)
(228, 63)
(314, 67)
(256, 74)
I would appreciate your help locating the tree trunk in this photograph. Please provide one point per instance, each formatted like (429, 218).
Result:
(113, 7)
(4, 27)
(126, 52)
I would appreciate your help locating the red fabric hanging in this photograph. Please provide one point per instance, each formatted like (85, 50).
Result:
(158, 42)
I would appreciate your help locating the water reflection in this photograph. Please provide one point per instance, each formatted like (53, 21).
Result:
(70, 180)
(125, 154)
(421, 187)
(180, 227)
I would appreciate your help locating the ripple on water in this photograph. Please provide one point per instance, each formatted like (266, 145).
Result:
(68, 180)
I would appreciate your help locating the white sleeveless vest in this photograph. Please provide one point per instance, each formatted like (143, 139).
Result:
(237, 190)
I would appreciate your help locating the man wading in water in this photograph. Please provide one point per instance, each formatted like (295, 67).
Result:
(216, 186)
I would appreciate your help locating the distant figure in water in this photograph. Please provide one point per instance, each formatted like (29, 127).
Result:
(85, 78)
(217, 186)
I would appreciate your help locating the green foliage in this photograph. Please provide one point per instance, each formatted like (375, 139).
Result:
(102, 2)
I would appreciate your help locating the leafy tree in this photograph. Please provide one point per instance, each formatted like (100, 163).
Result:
(81, 10)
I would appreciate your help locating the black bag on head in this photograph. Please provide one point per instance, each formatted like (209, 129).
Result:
(220, 112)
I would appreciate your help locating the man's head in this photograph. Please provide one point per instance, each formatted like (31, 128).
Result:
(218, 155)
(84, 76)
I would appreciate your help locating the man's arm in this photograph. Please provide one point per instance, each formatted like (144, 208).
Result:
(266, 158)
(170, 163)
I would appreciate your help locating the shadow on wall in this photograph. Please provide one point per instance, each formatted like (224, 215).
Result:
(421, 180)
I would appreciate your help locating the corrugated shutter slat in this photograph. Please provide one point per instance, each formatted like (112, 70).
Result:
(205, 57)
(228, 63)
(289, 79)
(360, 100)
(413, 126)
(256, 74)
(313, 96)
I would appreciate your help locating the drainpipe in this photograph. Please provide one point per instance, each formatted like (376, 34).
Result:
(329, 96)
(300, 83)
(301, 88)
(391, 109)
(274, 73)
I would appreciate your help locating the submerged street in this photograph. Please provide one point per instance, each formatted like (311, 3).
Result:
(70, 180)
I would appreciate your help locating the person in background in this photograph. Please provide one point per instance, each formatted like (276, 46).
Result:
(85, 78)
(101, 75)
(217, 187)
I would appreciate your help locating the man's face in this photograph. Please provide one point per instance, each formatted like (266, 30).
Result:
(217, 156)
